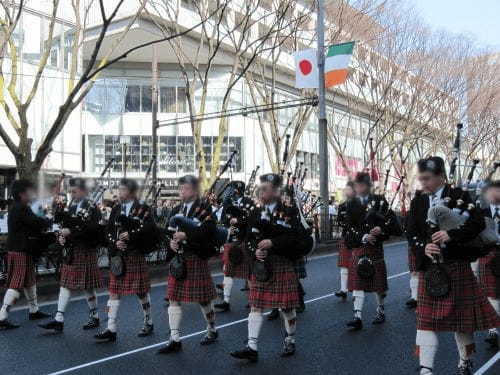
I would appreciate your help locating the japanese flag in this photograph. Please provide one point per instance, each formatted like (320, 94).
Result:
(306, 69)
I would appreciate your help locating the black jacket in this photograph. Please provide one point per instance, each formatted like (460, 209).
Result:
(418, 231)
(26, 230)
(143, 239)
(286, 237)
(357, 223)
(86, 232)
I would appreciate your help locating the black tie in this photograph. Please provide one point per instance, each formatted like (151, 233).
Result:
(185, 210)
(497, 214)
(124, 209)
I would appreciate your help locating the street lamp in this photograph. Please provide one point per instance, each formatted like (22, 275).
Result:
(124, 141)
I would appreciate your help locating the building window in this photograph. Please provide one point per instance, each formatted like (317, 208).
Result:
(133, 99)
(146, 99)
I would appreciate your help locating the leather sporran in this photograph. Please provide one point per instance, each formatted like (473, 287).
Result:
(235, 254)
(437, 281)
(177, 267)
(365, 268)
(262, 270)
(116, 265)
(495, 265)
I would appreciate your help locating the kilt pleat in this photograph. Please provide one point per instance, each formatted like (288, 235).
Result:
(464, 309)
(281, 291)
(21, 272)
(135, 280)
(489, 282)
(378, 283)
(198, 285)
(412, 260)
(83, 272)
(239, 271)
(344, 259)
(300, 268)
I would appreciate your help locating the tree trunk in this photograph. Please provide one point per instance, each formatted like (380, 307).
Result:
(27, 169)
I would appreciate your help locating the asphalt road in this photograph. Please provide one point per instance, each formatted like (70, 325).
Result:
(323, 344)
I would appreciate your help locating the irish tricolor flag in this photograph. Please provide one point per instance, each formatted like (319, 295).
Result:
(337, 62)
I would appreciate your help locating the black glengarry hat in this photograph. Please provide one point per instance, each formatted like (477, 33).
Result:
(433, 164)
(273, 178)
(130, 184)
(363, 178)
(189, 179)
(78, 182)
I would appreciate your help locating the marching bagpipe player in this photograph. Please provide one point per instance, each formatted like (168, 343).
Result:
(365, 231)
(489, 265)
(131, 235)
(344, 258)
(276, 243)
(189, 278)
(25, 231)
(78, 239)
(449, 297)
(235, 258)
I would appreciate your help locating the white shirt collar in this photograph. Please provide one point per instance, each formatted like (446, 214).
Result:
(128, 206)
(271, 207)
(188, 206)
(434, 198)
(493, 208)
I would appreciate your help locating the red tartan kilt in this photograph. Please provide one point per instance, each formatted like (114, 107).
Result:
(240, 271)
(344, 259)
(489, 282)
(83, 272)
(464, 309)
(377, 284)
(282, 291)
(135, 280)
(198, 285)
(412, 260)
(21, 271)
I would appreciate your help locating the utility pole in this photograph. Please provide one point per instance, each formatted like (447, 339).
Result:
(325, 231)
(154, 110)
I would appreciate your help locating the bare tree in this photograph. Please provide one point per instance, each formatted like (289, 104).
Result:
(15, 133)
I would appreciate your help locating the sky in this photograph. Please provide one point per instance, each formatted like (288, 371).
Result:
(481, 18)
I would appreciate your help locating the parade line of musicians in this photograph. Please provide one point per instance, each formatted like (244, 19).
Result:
(453, 256)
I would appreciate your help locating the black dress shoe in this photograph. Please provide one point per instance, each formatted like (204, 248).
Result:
(54, 325)
(92, 324)
(341, 294)
(245, 289)
(411, 303)
(222, 307)
(465, 368)
(171, 347)
(38, 315)
(379, 318)
(106, 336)
(355, 325)
(247, 353)
(288, 349)
(6, 325)
(274, 314)
(209, 338)
(147, 330)
(492, 339)
(219, 286)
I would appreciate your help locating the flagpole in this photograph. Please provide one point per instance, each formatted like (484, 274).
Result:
(325, 231)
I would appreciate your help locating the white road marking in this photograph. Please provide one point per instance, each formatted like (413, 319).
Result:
(106, 359)
(482, 370)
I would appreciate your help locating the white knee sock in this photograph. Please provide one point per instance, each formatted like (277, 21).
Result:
(62, 303)
(30, 294)
(174, 321)
(359, 300)
(475, 267)
(414, 285)
(113, 306)
(496, 305)
(228, 285)
(255, 320)
(290, 320)
(209, 315)
(344, 273)
(427, 346)
(91, 296)
(146, 309)
(380, 302)
(10, 299)
(465, 346)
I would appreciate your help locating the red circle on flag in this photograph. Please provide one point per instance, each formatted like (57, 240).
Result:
(305, 67)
